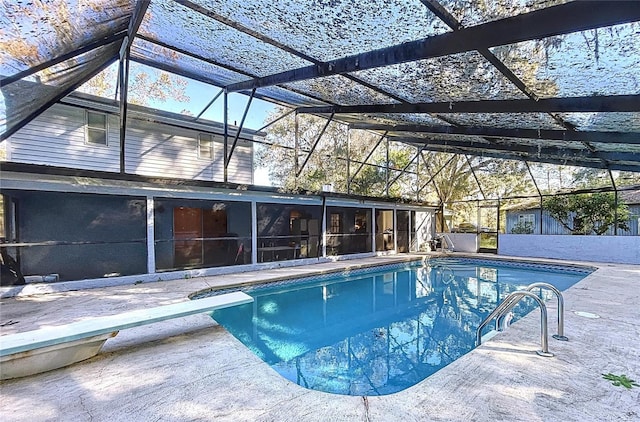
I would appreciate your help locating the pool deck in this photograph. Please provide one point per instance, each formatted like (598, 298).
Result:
(192, 369)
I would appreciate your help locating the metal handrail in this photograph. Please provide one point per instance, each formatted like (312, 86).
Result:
(560, 335)
(507, 304)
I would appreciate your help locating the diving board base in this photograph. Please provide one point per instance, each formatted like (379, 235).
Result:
(31, 352)
(48, 358)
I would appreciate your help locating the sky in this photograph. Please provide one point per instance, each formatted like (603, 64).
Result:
(200, 94)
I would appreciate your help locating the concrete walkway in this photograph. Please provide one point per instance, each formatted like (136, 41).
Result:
(191, 369)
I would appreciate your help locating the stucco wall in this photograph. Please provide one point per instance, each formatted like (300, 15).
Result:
(618, 249)
(464, 242)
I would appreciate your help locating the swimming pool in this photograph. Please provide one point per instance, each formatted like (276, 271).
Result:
(380, 330)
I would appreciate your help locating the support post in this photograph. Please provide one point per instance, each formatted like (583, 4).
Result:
(134, 24)
(254, 232)
(498, 227)
(225, 124)
(239, 128)
(348, 162)
(539, 193)
(615, 203)
(151, 240)
(296, 147)
(395, 230)
(123, 84)
(374, 232)
(324, 226)
(386, 189)
(418, 178)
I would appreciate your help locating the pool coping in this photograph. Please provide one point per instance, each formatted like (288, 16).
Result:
(493, 382)
(283, 277)
(399, 259)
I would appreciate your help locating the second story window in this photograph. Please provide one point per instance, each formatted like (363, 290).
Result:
(205, 146)
(96, 129)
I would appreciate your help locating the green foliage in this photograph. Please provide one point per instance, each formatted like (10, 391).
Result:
(326, 165)
(369, 181)
(145, 85)
(587, 213)
(488, 241)
(441, 177)
(503, 178)
(628, 178)
(620, 380)
(452, 182)
(56, 26)
(522, 227)
(590, 178)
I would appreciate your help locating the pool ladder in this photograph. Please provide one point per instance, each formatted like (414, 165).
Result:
(501, 311)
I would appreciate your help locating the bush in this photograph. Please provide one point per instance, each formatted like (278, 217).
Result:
(522, 227)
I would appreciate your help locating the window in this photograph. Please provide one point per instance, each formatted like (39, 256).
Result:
(335, 223)
(526, 218)
(205, 146)
(525, 224)
(96, 129)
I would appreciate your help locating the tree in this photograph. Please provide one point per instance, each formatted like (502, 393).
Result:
(504, 178)
(586, 214)
(595, 178)
(279, 155)
(59, 26)
(145, 85)
(372, 179)
(327, 164)
(590, 178)
(449, 175)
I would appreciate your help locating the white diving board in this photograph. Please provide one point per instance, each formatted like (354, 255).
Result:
(40, 350)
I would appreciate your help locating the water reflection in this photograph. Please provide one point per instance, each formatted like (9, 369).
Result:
(374, 334)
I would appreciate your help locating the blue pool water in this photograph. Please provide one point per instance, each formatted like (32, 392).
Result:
(380, 330)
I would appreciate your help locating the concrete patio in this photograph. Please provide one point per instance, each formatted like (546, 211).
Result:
(192, 369)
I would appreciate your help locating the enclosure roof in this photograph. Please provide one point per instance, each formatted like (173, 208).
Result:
(550, 81)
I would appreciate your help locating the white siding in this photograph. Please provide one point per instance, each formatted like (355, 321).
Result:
(240, 168)
(169, 152)
(57, 138)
